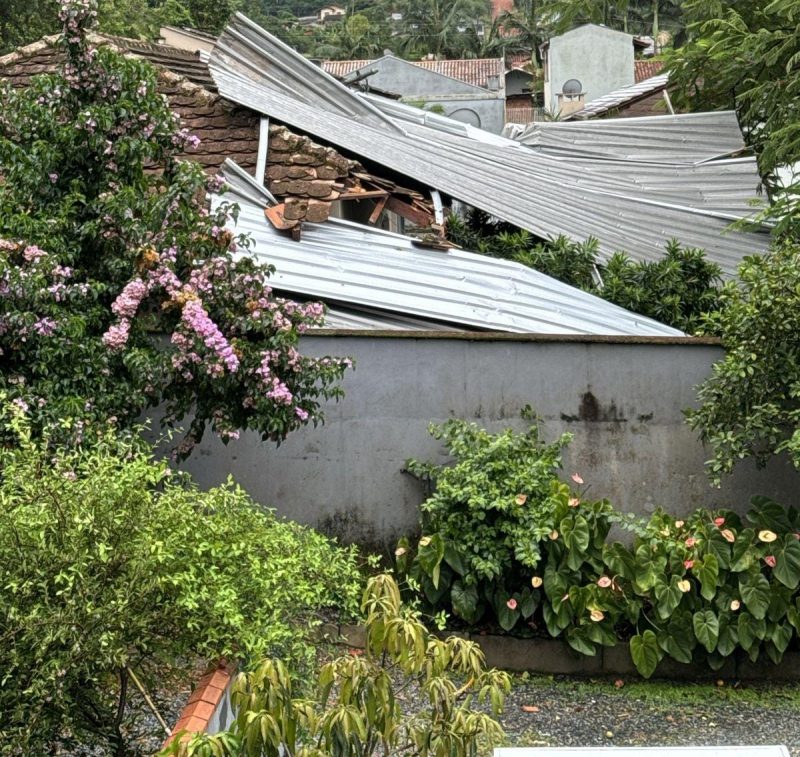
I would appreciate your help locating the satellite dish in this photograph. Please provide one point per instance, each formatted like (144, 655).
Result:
(572, 87)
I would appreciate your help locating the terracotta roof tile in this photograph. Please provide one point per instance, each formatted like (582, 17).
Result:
(646, 69)
(475, 71)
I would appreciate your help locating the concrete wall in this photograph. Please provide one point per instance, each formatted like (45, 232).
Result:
(458, 99)
(621, 398)
(600, 58)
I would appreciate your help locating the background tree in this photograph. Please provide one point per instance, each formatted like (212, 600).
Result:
(439, 28)
(744, 55)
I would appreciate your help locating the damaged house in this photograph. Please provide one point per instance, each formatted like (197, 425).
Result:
(326, 176)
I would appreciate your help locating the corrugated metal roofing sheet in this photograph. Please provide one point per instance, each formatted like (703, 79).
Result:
(361, 266)
(683, 139)
(623, 96)
(475, 71)
(545, 194)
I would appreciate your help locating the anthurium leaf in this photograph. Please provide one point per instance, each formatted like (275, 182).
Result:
(721, 549)
(754, 590)
(793, 616)
(576, 536)
(707, 572)
(506, 617)
(555, 584)
(453, 558)
(649, 569)
(677, 637)
(431, 553)
(743, 558)
(645, 653)
(706, 628)
(787, 567)
(728, 636)
(578, 639)
(602, 633)
(619, 560)
(780, 598)
(677, 646)
(528, 603)
(750, 631)
(780, 634)
(434, 593)
(668, 596)
(768, 514)
(465, 601)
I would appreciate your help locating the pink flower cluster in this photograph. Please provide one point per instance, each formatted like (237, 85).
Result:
(195, 318)
(32, 253)
(129, 299)
(117, 336)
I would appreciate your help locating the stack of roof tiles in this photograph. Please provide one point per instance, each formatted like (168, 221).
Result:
(310, 176)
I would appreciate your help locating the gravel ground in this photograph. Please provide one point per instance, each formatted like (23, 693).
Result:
(561, 711)
(571, 712)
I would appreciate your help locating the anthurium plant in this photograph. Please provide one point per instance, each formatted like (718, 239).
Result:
(505, 542)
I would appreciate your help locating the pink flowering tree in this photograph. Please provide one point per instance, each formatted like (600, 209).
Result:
(119, 289)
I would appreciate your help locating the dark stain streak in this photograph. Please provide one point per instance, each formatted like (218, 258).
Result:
(592, 411)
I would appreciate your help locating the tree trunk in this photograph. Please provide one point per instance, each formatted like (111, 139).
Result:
(655, 27)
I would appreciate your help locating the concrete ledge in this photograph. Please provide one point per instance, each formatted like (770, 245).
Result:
(556, 657)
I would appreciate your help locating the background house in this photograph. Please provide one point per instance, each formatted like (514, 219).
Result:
(586, 63)
(472, 91)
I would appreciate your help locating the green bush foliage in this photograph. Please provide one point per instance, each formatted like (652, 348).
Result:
(495, 518)
(110, 562)
(750, 405)
(505, 542)
(677, 289)
(355, 710)
(119, 289)
(715, 71)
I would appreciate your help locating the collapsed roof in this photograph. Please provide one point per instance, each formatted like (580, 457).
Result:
(687, 138)
(394, 283)
(624, 206)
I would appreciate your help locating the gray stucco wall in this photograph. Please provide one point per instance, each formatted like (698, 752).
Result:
(600, 58)
(459, 100)
(622, 400)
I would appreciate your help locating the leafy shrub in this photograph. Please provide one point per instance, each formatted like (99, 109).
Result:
(109, 562)
(750, 405)
(119, 290)
(677, 289)
(503, 540)
(355, 711)
(501, 535)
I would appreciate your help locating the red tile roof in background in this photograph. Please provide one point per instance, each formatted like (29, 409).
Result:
(518, 61)
(501, 6)
(646, 69)
(475, 71)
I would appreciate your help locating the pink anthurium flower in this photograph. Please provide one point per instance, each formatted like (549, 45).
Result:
(576, 478)
(604, 582)
(688, 564)
(511, 604)
(770, 560)
(719, 522)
